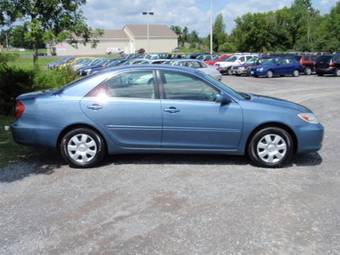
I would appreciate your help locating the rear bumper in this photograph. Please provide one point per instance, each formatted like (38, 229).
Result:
(33, 136)
(329, 70)
(310, 138)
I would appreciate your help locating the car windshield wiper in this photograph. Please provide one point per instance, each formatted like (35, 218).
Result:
(244, 95)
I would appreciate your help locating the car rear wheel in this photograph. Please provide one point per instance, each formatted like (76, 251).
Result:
(337, 72)
(271, 147)
(296, 73)
(82, 148)
(308, 71)
(270, 74)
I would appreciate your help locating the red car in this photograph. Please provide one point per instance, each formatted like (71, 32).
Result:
(220, 58)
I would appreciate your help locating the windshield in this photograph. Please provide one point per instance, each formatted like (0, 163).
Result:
(239, 95)
(251, 60)
(266, 60)
(231, 59)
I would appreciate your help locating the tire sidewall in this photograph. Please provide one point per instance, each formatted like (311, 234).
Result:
(252, 147)
(94, 135)
(270, 74)
(296, 73)
(337, 72)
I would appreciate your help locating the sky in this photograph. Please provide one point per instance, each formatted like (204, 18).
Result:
(114, 14)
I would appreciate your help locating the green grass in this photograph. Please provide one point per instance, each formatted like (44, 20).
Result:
(9, 150)
(27, 62)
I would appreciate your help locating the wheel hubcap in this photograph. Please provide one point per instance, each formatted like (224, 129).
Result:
(82, 148)
(272, 148)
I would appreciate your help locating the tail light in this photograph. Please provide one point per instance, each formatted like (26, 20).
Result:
(332, 64)
(19, 109)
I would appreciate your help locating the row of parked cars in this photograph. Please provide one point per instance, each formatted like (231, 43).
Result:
(87, 66)
(279, 65)
(240, 64)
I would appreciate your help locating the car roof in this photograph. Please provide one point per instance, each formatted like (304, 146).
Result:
(152, 67)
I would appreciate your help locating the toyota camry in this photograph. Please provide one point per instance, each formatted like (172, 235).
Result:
(163, 109)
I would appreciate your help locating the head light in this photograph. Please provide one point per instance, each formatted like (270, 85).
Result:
(309, 118)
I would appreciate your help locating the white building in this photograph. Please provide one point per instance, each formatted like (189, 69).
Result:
(129, 39)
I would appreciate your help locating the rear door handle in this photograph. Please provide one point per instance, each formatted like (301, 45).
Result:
(172, 109)
(95, 107)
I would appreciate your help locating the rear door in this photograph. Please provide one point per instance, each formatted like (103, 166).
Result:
(127, 106)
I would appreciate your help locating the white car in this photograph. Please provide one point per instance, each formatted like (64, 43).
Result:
(224, 67)
(197, 64)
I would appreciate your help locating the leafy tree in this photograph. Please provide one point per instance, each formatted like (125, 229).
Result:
(219, 35)
(50, 21)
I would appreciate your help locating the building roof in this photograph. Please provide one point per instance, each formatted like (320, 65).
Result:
(155, 31)
(114, 34)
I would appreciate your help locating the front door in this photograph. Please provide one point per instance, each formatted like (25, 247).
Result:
(191, 117)
(127, 106)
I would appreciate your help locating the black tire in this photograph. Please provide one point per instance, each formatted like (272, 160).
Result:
(229, 71)
(269, 74)
(100, 147)
(259, 136)
(320, 74)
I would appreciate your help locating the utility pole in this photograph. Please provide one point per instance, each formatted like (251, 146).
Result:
(148, 29)
(211, 28)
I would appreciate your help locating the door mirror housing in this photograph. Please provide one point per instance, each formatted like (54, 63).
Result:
(223, 99)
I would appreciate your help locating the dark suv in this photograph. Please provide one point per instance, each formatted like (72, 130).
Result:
(328, 64)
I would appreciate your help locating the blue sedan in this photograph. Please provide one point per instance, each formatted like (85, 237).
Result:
(159, 108)
(279, 66)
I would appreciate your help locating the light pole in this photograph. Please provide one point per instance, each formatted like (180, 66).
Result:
(211, 28)
(148, 29)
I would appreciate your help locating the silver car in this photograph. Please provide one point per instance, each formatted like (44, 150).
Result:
(197, 64)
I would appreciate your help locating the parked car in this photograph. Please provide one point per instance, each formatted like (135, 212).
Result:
(109, 63)
(95, 63)
(223, 57)
(308, 62)
(59, 63)
(207, 57)
(279, 66)
(328, 64)
(136, 61)
(161, 108)
(244, 69)
(200, 65)
(238, 59)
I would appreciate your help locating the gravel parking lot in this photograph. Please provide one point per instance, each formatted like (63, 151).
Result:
(180, 204)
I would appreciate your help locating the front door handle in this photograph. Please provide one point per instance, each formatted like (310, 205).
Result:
(171, 109)
(95, 107)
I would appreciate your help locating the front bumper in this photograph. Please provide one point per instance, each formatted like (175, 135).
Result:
(310, 138)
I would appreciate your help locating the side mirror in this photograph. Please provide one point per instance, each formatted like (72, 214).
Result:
(222, 99)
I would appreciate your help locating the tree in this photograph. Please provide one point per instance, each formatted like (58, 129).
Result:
(219, 34)
(50, 21)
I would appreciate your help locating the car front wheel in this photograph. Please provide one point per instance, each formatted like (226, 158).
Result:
(270, 74)
(82, 148)
(271, 147)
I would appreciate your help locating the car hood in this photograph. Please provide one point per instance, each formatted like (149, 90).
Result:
(272, 101)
